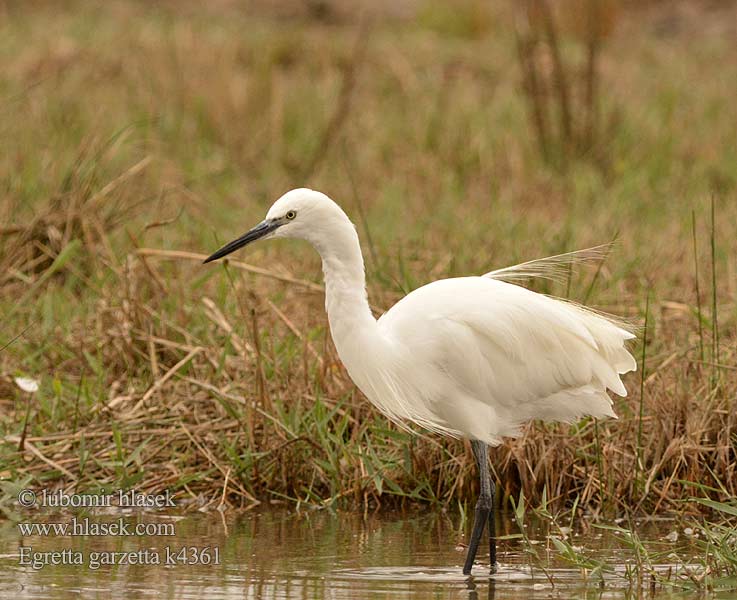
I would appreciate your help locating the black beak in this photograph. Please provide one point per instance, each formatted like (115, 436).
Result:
(262, 229)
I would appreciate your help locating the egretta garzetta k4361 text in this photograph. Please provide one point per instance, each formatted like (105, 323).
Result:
(471, 357)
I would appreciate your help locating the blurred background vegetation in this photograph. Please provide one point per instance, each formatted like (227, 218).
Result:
(459, 136)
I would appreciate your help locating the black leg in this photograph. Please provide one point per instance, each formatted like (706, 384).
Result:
(479, 522)
(492, 531)
(484, 509)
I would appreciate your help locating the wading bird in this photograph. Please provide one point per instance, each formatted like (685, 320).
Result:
(471, 357)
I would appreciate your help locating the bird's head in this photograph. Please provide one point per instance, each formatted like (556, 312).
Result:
(301, 213)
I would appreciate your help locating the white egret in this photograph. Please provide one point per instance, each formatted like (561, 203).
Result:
(472, 357)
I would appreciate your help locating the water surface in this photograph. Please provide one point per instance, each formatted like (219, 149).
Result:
(312, 554)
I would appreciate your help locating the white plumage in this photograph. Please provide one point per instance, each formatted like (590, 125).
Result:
(472, 357)
(483, 356)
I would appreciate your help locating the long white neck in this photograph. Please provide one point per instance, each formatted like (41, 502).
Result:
(374, 360)
(346, 302)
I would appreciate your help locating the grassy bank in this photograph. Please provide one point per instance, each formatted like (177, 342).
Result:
(136, 140)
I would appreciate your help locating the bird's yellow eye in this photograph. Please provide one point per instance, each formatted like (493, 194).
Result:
(291, 214)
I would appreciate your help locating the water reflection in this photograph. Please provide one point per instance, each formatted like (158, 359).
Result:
(311, 555)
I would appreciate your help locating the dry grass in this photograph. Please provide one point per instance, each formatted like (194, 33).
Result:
(140, 135)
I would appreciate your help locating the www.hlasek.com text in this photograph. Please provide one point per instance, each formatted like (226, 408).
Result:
(85, 527)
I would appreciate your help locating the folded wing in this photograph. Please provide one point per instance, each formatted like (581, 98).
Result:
(508, 355)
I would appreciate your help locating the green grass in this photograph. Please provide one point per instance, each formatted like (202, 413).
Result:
(132, 127)
(696, 556)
